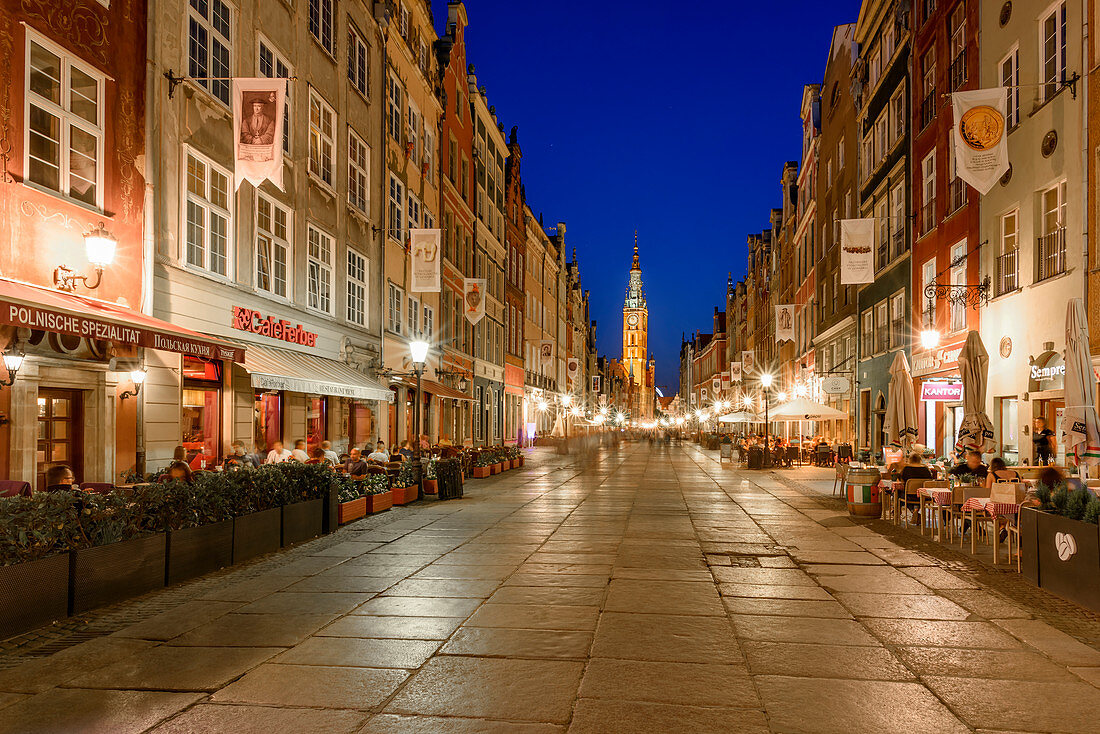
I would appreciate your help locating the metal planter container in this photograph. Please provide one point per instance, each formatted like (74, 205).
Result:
(194, 551)
(110, 573)
(33, 594)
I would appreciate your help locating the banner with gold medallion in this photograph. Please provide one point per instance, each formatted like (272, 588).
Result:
(981, 142)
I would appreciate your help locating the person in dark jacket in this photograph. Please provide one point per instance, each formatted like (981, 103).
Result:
(973, 466)
(915, 468)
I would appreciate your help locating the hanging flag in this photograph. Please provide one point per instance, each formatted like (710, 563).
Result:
(726, 381)
(546, 352)
(857, 251)
(596, 384)
(735, 371)
(425, 260)
(784, 323)
(572, 369)
(716, 385)
(703, 396)
(981, 146)
(473, 290)
(258, 107)
(748, 361)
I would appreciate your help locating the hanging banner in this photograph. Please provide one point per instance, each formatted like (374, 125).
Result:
(748, 362)
(716, 385)
(784, 323)
(572, 369)
(425, 260)
(735, 372)
(857, 250)
(726, 381)
(596, 384)
(258, 107)
(546, 352)
(703, 395)
(981, 146)
(473, 299)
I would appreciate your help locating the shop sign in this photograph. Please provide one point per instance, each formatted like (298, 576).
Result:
(255, 322)
(951, 392)
(835, 385)
(1047, 372)
(937, 359)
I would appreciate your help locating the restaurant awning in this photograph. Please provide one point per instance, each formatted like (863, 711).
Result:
(46, 309)
(435, 388)
(272, 368)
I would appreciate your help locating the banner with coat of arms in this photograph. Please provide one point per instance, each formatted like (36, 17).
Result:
(425, 260)
(981, 142)
(572, 369)
(735, 372)
(473, 299)
(259, 107)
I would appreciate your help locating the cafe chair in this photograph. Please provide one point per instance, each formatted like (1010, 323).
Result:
(908, 499)
(841, 477)
(13, 488)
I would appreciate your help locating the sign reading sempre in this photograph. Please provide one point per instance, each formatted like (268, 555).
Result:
(246, 319)
(941, 391)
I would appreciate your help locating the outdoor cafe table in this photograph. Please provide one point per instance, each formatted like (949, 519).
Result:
(974, 505)
(938, 497)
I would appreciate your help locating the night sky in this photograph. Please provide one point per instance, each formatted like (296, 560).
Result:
(670, 118)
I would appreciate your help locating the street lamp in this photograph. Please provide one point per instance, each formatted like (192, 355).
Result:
(99, 245)
(929, 338)
(138, 378)
(766, 383)
(13, 360)
(418, 350)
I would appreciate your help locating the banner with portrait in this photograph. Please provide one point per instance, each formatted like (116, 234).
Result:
(425, 260)
(473, 299)
(735, 372)
(784, 323)
(258, 119)
(981, 142)
(596, 384)
(748, 362)
(857, 251)
(546, 352)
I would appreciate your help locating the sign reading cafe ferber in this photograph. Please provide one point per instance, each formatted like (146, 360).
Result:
(246, 319)
(258, 106)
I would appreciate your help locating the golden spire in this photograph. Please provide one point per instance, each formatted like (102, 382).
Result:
(635, 266)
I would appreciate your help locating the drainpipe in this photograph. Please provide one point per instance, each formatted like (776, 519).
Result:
(149, 214)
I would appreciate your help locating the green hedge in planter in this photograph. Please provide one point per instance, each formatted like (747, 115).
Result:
(1077, 504)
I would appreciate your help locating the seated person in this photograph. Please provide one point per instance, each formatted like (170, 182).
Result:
(915, 468)
(179, 471)
(299, 453)
(355, 464)
(60, 478)
(239, 458)
(445, 440)
(379, 454)
(973, 466)
(330, 455)
(317, 456)
(406, 450)
(999, 471)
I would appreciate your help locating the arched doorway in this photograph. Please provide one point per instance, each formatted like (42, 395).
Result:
(878, 421)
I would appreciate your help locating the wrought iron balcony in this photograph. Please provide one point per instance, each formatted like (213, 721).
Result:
(956, 73)
(1007, 272)
(1052, 254)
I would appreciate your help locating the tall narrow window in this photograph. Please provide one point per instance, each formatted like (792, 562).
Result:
(64, 125)
(358, 172)
(928, 193)
(396, 308)
(414, 318)
(1053, 52)
(357, 288)
(429, 322)
(396, 215)
(358, 61)
(320, 22)
(208, 216)
(957, 49)
(319, 270)
(928, 276)
(396, 106)
(958, 278)
(210, 30)
(322, 140)
(272, 246)
(1010, 78)
(274, 66)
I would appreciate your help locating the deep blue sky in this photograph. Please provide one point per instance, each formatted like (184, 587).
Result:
(670, 118)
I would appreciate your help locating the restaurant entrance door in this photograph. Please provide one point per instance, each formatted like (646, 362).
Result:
(60, 433)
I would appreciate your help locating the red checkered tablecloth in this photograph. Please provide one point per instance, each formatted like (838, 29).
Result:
(939, 496)
(994, 509)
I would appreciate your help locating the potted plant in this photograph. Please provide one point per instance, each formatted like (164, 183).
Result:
(495, 467)
(303, 508)
(482, 464)
(34, 559)
(431, 481)
(353, 504)
(1060, 543)
(376, 490)
(199, 523)
(257, 500)
(404, 485)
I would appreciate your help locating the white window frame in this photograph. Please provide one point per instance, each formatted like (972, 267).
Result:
(395, 216)
(67, 120)
(412, 214)
(412, 120)
(358, 61)
(270, 240)
(359, 162)
(1060, 192)
(958, 277)
(897, 115)
(928, 275)
(395, 309)
(429, 155)
(206, 203)
(218, 88)
(428, 317)
(928, 179)
(1010, 242)
(413, 315)
(357, 310)
(322, 163)
(319, 270)
(1053, 70)
(1010, 78)
(322, 27)
(277, 61)
(395, 105)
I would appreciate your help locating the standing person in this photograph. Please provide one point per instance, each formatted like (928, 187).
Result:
(299, 453)
(1043, 438)
(330, 455)
(278, 454)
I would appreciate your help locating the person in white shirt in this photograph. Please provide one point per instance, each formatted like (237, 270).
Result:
(379, 453)
(299, 452)
(278, 454)
(330, 455)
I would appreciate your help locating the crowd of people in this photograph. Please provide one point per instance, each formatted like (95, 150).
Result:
(783, 451)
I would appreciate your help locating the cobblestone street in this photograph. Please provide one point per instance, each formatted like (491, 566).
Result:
(639, 588)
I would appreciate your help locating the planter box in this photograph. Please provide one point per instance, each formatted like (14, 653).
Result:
(1029, 544)
(1068, 555)
(379, 502)
(431, 486)
(480, 472)
(405, 495)
(331, 514)
(118, 571)
(522, 460)
(352, 510)
(494, 469)
(302, 521)
(33, 594)
(256, 534)
(195, 551)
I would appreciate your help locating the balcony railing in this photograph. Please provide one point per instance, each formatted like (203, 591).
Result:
(928, 216)
(956, 73)
(1007, 272)
(898, 239)
(958, 194)
(1052, 254)
(928, 109)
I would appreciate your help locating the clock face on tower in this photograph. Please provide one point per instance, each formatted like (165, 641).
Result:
(632, 319)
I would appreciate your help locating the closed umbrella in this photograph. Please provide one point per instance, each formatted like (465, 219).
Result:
(901, 407)
(1080, 424)
(976, 432)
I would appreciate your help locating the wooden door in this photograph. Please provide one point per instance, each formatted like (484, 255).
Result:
(60, 432)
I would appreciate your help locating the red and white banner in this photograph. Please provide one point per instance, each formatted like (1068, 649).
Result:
(735, 371)
(425, 260)
(473, 299)
(258, 119)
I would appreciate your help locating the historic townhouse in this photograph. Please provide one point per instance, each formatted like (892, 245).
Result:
(835, 322)
(881, 76)
(541, 296)
(710, 361)
(946, 248)
(74, 257)
(1090, 87)
(1035, 219)
(806, 234)
(515, 228)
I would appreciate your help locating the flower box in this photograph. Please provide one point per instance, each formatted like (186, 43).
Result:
(1061, 555)
(431, 486)
(192, 552)
(33, 594)
(405, 495)
(302, 521)
(494, 468)
(353, 510)
(109, 573)
(379, 502)
(480, 472)
(257, 533)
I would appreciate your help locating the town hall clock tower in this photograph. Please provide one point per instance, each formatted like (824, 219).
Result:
(635, 324)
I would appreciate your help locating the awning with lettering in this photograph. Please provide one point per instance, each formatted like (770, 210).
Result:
(272, 368)
(435, 388)
(46, 309)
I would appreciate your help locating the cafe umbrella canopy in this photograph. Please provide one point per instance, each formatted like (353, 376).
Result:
(1080, 424)
(901, 408)
(976, 431)
(803, 409)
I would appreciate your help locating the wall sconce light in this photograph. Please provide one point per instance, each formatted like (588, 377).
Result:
(13, 360)
(138, 378)
(100, 246)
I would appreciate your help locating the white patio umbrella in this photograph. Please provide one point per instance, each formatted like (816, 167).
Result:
(901, 406)
(975, 432)
(558, 431)
(739, 417)
(801, 409)
(1080, 423)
